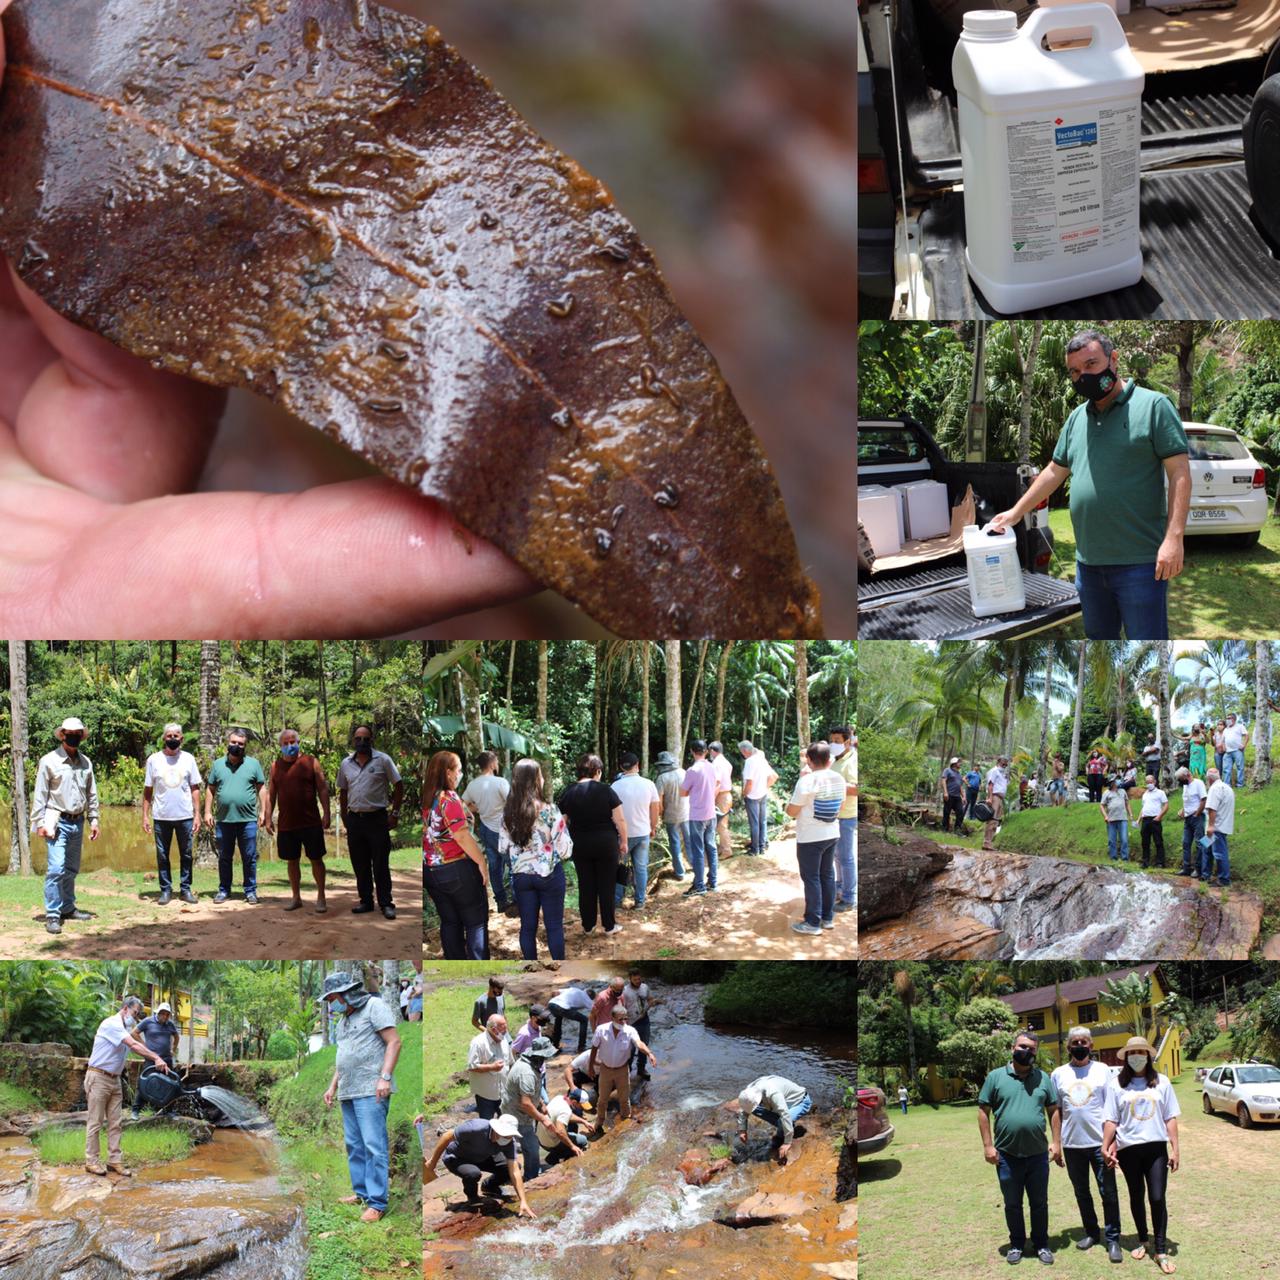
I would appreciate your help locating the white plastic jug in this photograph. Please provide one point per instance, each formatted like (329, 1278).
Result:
(880, 514)
(995, 576)
(1049, 144)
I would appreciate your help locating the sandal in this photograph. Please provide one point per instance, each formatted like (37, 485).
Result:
(1162, 1261)
(293, 906)
(321, 908)
(1140, 1252)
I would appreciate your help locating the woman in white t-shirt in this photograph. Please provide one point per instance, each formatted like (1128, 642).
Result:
(1140, 1134)
(815, 805)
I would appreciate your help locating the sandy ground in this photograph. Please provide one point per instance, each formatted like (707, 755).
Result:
(132, 926)
(747, 918)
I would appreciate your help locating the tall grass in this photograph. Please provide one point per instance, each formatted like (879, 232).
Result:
(148, 1145)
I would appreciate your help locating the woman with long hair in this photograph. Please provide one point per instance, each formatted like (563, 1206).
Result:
(455, 871)
(535, 836)
(1197, 757)
(599, 835)
(1219, 745)
(1140, 1134)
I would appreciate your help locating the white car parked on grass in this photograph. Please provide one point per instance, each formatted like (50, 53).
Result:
(1250, 1091)
(1228, 485)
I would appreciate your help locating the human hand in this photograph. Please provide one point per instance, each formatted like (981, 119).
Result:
(524, 1211)
(1055, 1154)
(991, 1155)
(93, 830)
(329, 1095)
(1004, 520)
(1169, 558)
(783, 1152)
(382, 1090)
(1173, 1163)
(146, 825)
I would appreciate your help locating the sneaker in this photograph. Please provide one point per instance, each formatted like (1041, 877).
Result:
(801, 926)
(120, 1171)
(828, 924)
(251, 897)
(53, 924)
(692, 890)
(361, 907)
(617, 928)
(95, 1168)
(221, 896)
(1045, 1256)
(77, 915)
(1013, 1257)
(372, 1215)
(844, 906)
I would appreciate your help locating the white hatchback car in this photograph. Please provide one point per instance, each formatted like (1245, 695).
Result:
(1228, 485)
(1250, 1091)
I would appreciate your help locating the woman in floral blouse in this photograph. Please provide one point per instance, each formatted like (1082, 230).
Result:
(536, 838)
(455, 871)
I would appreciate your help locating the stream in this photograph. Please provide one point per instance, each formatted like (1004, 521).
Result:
(219, 1213)
(625, 1210)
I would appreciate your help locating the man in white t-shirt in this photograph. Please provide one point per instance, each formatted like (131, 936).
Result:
(1234, 739)
(570, 1005)
(1220, 822)
(640, 810)
(488, 1056)
(567, 1136)
(1155, 804)
(997, 787)
(815, 805)
(486, 795)
(1082, 1085)
(724, 796)
(757, 777)
(1194, 793)
(171, 800)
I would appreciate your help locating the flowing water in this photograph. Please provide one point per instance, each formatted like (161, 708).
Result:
(219, 1213)
(634, 1202)
(239, 1112)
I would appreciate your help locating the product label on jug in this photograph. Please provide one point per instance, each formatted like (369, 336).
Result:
(1073, 180)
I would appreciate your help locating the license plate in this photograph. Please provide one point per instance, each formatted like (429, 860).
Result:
(1209, 513)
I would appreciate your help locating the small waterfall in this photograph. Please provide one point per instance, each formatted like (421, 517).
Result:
(239, 1111)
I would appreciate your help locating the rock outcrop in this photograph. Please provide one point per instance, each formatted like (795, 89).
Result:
(892, 876)
(699, 1168)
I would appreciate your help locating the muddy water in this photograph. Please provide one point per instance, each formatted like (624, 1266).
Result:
(627, 1212)
(220, 1213)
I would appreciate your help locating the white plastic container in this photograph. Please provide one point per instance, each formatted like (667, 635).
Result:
(872, 489)
(1049, 144)
(995, 576)
(925, 508)
(880, 514)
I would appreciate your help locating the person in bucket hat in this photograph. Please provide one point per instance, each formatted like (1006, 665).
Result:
(675, 809)
(65, 798)
(363, 1081)
(477, 1147)
(522, 1092)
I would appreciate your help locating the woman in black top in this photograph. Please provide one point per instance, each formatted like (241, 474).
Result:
(594, 814)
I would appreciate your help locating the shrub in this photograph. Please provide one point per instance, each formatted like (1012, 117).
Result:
(280, 1047)
(890, 765)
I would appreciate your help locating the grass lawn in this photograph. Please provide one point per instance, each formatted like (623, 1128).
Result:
(930, 1205)
(1223, 591)
(15, 1100)
(152, 1145)
(446, 1013)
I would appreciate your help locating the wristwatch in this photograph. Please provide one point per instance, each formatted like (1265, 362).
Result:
(385, 1076)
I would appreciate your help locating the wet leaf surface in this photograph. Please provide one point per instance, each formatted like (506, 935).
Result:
(326, 204)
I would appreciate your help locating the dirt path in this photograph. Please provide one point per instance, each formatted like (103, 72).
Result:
(132, 926)
(748, 918)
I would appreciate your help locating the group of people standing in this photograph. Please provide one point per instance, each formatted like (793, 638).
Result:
(291, 802)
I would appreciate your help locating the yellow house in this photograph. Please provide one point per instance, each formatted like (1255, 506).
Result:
(184, 1010)
(1037, 1012)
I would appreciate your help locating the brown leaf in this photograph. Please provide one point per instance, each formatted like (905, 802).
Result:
(324, 203)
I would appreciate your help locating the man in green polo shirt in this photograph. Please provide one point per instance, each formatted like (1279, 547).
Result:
(1018, 1095)
(235, 783)
(1119, 448)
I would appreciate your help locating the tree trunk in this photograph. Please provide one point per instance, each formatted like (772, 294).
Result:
(210, 685)
(597, 694)
(802, 692)
(474, 732)
(542, 682)
(390, 975)
(1006, 713)
(693, 695)
(20, 838)
(1166, 732)
(722, 675)
(1074, 767)
(1120, 702)
(1186, 354)
(1044, 711)
(674, 711)
(324, 695)
(1262, 715)
(511, 671)
(1026, 371)
(646, 662)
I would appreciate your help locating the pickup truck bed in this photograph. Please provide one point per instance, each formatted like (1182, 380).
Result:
(933, 604)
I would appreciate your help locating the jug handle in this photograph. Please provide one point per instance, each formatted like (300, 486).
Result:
(1106, 35)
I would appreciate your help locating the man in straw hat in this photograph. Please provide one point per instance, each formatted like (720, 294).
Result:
(477, 1147)
(65, 798)
(363, 1081)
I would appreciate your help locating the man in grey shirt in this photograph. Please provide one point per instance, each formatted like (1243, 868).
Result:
(486, 796)
(369, 796)
(363, 1081)
(779, 1102)
(675, 809)
(522, 1098)
(65, 798)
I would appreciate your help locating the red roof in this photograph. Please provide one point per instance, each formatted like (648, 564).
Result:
(1075, 991)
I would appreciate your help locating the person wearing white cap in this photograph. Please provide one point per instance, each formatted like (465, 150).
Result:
(477, 1147)
(65, 798)
(171, 802)
(953, 796)
(757, 777)
(776, 1100)
(160, 1034)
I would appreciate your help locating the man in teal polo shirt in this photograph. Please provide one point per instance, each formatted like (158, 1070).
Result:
(1018, 1095)
(235, 784)
(1119, 447)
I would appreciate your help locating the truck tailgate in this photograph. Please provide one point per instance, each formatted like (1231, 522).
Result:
(933, 604)
(1203, 255)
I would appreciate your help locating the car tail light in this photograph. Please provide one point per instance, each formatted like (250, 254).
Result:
(872, 174)
(1259, 479)
(1043, 560)
(1040, 506)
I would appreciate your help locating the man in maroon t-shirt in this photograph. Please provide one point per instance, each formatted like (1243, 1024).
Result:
(298, 783)
(602, 1006)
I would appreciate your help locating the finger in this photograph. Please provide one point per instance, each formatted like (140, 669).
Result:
(98, 419)
(362, 558)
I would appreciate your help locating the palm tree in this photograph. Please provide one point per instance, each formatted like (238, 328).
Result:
(802, 692)
(989, 980)
(1214, 671)
(1132, 994)
(942, 706)
(671, 649)
(210, 718)
(905, 989)
(542, 682)
(1262, 714)
(1074, 767)
(19, 838)
(1165, 728)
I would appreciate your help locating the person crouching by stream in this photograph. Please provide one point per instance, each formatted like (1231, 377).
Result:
(363, 1081)
(102, 1091)
(610, 1061)
(565, 1138)
(477, 1147)
(779, 1102)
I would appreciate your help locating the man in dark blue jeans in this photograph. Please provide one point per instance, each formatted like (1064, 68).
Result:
(1019, 1095)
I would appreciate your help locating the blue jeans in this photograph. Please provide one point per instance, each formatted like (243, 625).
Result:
(971, 798)
(1112, 594)
(816, 858)
(678, 839)
(703, 853)
(1192, 830)
(758, 821)
(1029, 1174)
(545, 894)
(846, 863)
(487, 1108)
(62, 867)
(1218, 758)
(638, 852)
(165, 831)
(1214, 860)
(1118, 840)
(531, 1149)
(229, 835)
(364, 1127)
(1230, 758)
(802, 1108)
(499, 867)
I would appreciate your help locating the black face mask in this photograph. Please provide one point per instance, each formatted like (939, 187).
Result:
(1095, 386)
(1079, 1052)
(235, 750)
(172, 744)
(71, 739)
(1024, 1056)
(362, 745)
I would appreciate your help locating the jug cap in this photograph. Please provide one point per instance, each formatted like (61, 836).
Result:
(990, 24)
